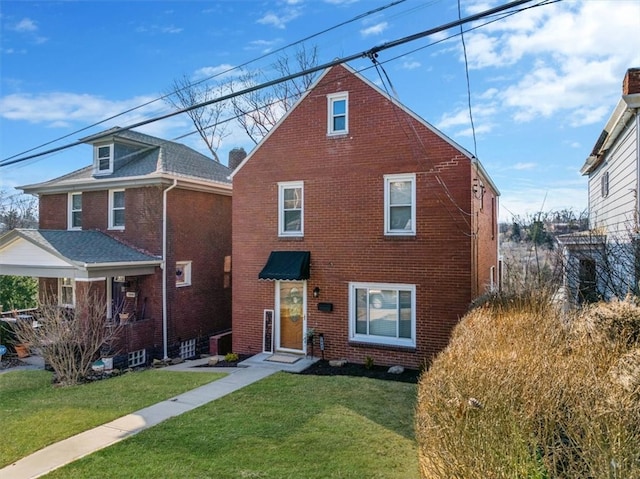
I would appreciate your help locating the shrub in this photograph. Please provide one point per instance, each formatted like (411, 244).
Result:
(231, 357)
(524, 390)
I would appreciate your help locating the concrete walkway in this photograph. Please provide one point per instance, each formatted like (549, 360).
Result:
(57, 455)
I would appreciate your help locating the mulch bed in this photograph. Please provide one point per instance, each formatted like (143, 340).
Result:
(8, 363)
(322, 368)
(227, 364)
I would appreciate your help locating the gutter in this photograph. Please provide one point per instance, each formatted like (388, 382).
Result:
(164, 269)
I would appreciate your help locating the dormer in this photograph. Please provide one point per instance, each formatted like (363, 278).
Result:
(103, 159)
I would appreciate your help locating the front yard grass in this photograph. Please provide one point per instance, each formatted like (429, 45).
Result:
(285, 426)
(35, 414)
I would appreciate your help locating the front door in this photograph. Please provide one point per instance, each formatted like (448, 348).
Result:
(291, 318)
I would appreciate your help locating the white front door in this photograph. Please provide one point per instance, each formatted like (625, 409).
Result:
(291, 302)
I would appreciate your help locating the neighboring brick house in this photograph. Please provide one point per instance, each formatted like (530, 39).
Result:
(605, 261)
(148, 225)
(358, 220)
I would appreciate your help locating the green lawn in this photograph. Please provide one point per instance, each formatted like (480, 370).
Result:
(285, 426)
(35, 414)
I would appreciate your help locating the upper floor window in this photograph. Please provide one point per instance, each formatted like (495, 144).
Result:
(338, 115)
(103, 159)
(604, 184)
(116, 209)
(66, 292)
(75, 211)
(400, 204)
(290, 209)
(382, 313)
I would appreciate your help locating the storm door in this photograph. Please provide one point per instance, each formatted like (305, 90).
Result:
(291, 307)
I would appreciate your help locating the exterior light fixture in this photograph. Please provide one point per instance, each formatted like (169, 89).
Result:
(316, 292)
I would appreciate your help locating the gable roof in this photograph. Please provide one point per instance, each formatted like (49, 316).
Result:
(395, 102)
(74, 254)
(154, 159)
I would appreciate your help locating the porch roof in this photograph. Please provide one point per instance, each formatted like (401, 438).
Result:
(70, 254)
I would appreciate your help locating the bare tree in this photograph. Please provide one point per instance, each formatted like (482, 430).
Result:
(206, 119)
(257, 112)
(17, 210)
(69, 340)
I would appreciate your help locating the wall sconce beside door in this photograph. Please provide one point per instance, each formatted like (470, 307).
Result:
(316, 292)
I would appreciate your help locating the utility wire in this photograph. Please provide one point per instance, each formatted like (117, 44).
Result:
(366, 53)
(229, 70)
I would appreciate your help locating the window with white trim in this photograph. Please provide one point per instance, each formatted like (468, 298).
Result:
(400, 204)
(137, 358)
(183, 273)
(74, 221)
(188, 349)
(116, 209)
(338, 113)
(381, 313)
(103, 159)
(66, 292)
(291, 209)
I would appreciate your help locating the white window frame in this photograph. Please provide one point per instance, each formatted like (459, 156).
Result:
(71, 211)
(388, 179)
(375, 339)
(185, 266)
(112, 208)
(281, 209)
(188, 349)
(137, 358)
(331, 100)
(64, 283)
(96, 160)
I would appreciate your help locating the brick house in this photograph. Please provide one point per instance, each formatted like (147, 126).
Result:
(148, 225)
(605, 261)
(357, 220)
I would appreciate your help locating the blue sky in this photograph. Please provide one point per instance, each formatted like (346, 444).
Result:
(543, 82)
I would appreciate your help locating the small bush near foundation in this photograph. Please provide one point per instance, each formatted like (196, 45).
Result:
(231, 357)
(526, 391)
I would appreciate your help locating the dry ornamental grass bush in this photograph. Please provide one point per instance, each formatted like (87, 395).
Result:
(525, 391)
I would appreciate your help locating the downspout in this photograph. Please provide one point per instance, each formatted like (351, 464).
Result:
(164, 268)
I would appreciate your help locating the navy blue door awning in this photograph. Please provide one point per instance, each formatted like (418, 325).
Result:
(287, 265)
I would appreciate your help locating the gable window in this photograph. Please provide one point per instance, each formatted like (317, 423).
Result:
(66, 292)
(103, 159)
(338, 114)
(400, 204)
(382, 313)
(290, 209)
(75, 211)
(183, 273)
(604, 184)
(116, 209)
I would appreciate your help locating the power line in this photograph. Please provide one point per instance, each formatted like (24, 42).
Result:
(367, 53)
(229, 70)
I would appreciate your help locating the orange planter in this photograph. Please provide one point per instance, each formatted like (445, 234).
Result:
(22, 350)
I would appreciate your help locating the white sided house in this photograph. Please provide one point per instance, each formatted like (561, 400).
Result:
(605, 261)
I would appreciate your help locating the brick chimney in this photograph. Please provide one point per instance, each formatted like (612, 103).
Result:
(236, 156)
(631, 82)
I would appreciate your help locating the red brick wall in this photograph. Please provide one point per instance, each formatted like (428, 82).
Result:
(53, 212)
(199, 230)
(343, 220)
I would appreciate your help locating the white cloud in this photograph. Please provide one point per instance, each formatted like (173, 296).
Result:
(171, 29)
(376, 29)
(63, 109)
(524, 166)
(26, 25)
(411, 64)
(219, 71)
(566, 55)
(280, 20)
